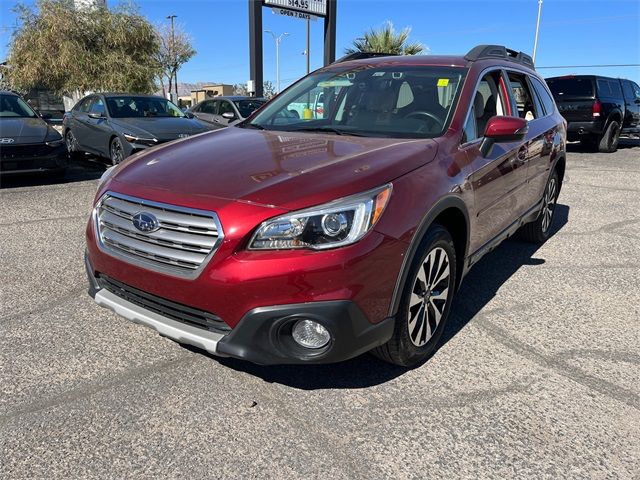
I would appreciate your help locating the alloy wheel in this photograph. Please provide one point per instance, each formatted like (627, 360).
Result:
(117, 153)
(429, 296)
(549, 204)
(70, 140)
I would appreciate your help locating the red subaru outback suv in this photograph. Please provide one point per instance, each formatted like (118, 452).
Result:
(314, 238)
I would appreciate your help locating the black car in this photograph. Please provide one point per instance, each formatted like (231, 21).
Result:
(27, 143)
(115, 125)
(597, 109)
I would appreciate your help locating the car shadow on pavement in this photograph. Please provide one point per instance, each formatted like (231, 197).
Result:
(77, 171)
(478, 288)
(623, 144)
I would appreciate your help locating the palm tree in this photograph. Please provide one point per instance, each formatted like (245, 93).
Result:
(386, 40)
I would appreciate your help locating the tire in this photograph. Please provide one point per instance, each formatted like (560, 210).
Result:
(539, 230)
(116, 151)
(417, 330)
(609, 141)
(72, 145)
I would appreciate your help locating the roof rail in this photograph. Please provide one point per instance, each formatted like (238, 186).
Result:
(361, 55)
(498, 51)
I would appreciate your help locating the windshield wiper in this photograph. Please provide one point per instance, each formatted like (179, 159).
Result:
(252, 125)
(337, 131)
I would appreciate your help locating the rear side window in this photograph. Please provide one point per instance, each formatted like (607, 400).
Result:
(548, 104)
(571, 87)
(614, 85)
(629, 94)
(604, 88)
(523, 97)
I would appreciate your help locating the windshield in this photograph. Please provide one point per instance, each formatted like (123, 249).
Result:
(12, 106)
(396, 101)
(135, 107)
(571, 87)
(247, 107)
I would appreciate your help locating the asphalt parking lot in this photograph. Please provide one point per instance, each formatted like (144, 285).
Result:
(538, 375)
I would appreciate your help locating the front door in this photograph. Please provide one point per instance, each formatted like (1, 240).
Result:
(632, 105)
(499, 178)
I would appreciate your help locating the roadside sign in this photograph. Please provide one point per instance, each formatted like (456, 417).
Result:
(312, 7)
(294, 14)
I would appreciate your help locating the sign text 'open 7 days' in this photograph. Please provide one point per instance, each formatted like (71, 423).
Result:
(310, 7)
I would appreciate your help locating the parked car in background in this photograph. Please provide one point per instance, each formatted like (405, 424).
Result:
(223, 111)
(115, 125)
(27, 143)
(289, 240)
(597, 109)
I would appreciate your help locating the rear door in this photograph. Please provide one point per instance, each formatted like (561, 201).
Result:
(574, 97)
(207, 111)
(545, 133)
(632, 105)
(80, 123)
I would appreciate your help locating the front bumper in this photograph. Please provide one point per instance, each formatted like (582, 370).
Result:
(32, 158)
(263, 335)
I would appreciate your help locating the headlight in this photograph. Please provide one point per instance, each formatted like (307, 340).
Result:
(334, 224)
(140, 140)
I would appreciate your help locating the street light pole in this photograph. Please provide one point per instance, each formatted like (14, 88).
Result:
(535, 42)
(173, 55)
(278, 40)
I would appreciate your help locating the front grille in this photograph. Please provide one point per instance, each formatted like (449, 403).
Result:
(184, 240)
(24, 151)
(166, 308)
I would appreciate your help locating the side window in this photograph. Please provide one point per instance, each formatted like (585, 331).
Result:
(209, 107)
(604, 90)
(636, 88)
(98, 106)
(405, 95)
(85, 104)
(547, 101)
(614, 86)
(627, 88)
(225, 107)
(488, 102)
(523, 97)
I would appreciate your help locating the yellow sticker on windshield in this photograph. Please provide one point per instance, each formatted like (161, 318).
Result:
(443, 82)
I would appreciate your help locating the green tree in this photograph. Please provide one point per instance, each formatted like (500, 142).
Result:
(387, 40)
(175, 50)
(70, 51)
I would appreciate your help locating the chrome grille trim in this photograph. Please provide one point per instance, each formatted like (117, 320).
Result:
(182, 246)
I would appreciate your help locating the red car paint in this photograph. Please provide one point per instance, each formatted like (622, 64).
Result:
(248, 176)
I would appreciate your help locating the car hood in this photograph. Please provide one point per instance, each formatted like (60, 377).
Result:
(24, 130)
(283, 169)
(162, 128)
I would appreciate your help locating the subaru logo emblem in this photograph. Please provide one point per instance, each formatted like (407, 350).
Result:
(145, 222)
(7, 140)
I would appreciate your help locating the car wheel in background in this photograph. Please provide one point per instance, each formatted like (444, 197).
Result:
(609, 141)
(72, 144)
(116, 151)
(425, 302)
(539, 230)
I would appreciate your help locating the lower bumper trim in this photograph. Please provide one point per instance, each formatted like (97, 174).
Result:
(164, 326)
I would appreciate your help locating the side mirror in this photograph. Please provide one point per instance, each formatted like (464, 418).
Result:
(97, 116)
(189, 115)
(228, 115)
(502, 129)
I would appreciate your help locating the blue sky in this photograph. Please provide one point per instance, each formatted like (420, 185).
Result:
(573, 32)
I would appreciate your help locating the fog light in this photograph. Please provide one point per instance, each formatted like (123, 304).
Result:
(310, 334)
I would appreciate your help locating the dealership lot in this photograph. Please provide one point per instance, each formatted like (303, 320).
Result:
(538, 375)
